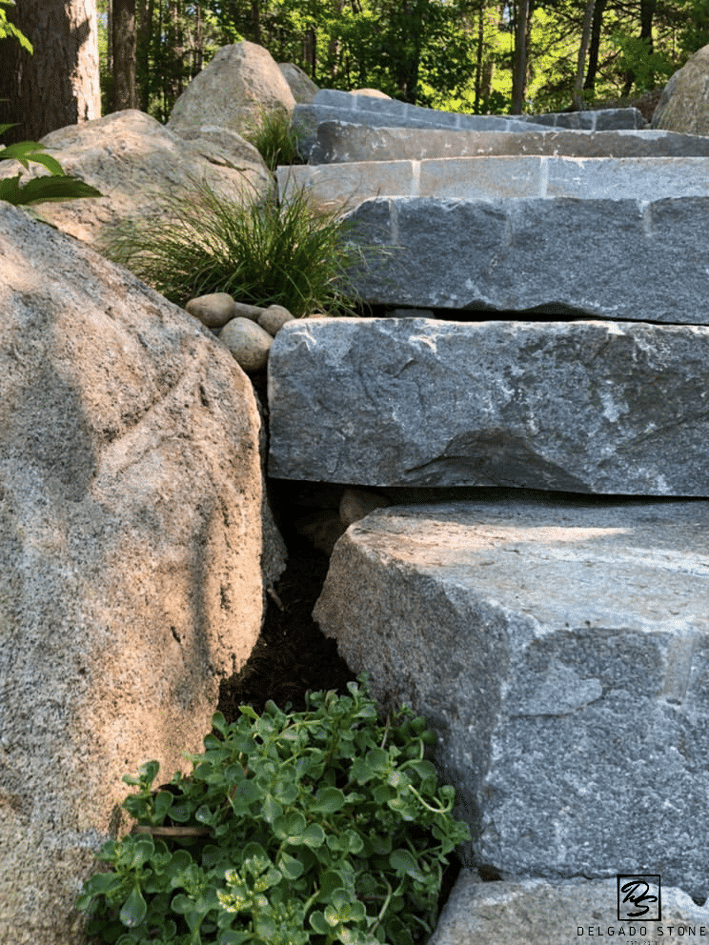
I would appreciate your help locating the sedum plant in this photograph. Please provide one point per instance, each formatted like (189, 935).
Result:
(57, 186)
(324, 826)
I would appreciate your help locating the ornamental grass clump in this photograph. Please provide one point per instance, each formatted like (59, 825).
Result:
(276, 138)
(263, 253)
(324, 826)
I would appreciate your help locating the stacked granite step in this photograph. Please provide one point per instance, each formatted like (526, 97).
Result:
(540, 588)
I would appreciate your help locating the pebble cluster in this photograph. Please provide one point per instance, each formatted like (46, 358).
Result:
(247, 330)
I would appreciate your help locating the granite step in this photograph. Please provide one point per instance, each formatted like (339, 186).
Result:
(598, 258)
(559, 648)
(331, 104)
(540, 912)
(339, 142)
(485, 178)
(614, 408)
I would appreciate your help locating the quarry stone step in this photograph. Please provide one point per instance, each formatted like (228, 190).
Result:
(339, 142)
(489, 178)
(329, 105)
(537, 912)
(602, 258)
(560, 650)
(585, 406)
(601, 119)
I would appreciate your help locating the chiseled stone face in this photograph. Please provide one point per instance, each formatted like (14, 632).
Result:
(340, 142)
(559, 646)
(623, 259)
(130, 555)
(585, 406)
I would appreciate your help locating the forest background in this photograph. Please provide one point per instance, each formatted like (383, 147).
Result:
(479, 56)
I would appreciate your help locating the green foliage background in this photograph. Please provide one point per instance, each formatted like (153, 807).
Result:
(452, 54)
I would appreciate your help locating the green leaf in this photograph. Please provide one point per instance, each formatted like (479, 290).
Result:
(134, 909)
(179, 864)
(219, 723)
(319, 924)
(290, 867)
(271, 809)
(314, 836)
(328, 800)
(405, 865)
(40, 189)
(290, 827)
(163, 803)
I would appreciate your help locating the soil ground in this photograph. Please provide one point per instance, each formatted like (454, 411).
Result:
(291, 655)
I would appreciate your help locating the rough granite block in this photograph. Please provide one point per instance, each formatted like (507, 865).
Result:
(585, 406)
(601, 258)
(560, 650)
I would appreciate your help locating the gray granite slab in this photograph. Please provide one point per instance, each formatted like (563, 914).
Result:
(559, 647)
(585, 406)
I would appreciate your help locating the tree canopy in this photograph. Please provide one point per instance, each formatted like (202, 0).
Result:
(463, 55)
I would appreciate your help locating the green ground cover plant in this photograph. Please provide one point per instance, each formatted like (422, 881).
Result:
(265, 253)
(57, 186)
(294, 828)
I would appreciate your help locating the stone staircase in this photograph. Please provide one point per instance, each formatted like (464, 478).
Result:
(540, 588)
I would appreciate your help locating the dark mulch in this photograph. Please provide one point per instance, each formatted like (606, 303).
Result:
(291, 655)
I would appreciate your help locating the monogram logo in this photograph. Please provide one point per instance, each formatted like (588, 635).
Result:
(639, 897)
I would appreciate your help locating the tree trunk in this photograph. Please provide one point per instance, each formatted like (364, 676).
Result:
(519, 68)
(647, 12)
(123, 42)
(583, 51)
(595, 45)
(144, 43)
(59, 84)
(479, 58)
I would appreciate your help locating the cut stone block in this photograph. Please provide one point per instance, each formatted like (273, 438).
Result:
(368, 110)
(332, 105)
(536, 912)
(594, 407)
(603, 258)
(560, 650)
(486, 178)
(602, 119)
(339, 142)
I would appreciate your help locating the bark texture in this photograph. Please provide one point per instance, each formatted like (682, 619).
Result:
(59, 84)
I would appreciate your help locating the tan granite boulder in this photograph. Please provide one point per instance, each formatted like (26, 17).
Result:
(301, 85)
(131, 550)
(240, 83)
(138, 165)
(684, 104)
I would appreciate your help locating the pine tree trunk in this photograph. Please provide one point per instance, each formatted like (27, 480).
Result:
(59, 84)
(123, 43)
(594, 47)
(519, 66)
(583, 51)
